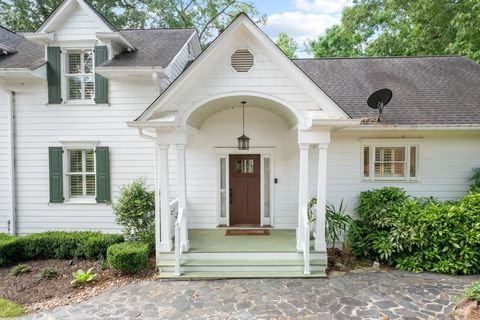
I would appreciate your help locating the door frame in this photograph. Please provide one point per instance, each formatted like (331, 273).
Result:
(264, 152)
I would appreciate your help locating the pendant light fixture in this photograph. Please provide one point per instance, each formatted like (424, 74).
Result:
(243, 140)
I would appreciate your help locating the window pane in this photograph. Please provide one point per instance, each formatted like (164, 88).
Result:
(74, 88)
(249, 165)
(74, 63)
(223, 187)
(75, 160)
(413, 161)
(76, 185)
(88, 61)
(366, 161)
(399, 154)
(89, 88)
(89, 163)
(90, 180)
(266, 186)
(399, 169)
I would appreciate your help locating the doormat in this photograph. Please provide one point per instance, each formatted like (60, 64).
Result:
(247, 232)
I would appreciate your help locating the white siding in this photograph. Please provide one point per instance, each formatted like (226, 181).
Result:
(40, 126)
(4, 176)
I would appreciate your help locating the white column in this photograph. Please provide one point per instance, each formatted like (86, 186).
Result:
(320, 243)
(182, 192)
(302, 191)
(162, 201)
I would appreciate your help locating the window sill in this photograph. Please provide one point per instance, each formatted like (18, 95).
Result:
(391, 180)
(74, 105)
(80, 201)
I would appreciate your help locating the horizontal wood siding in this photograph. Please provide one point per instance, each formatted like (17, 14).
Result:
(4, 169)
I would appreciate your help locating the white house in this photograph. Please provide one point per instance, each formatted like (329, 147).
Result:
(86, 108)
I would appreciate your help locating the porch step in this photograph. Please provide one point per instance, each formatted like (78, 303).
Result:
(243, 255)
(239, 275)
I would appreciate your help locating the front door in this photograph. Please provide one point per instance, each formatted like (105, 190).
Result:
(244, 189)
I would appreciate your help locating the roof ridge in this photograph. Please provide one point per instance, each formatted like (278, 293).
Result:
(153, 29)
(380, 57)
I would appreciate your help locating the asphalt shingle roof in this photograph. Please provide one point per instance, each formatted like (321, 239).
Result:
(28, 54)
(155, 47)
(426, 90)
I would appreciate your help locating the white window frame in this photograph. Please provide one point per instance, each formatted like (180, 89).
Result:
(372, 144)
(77, 145)
(65, 75)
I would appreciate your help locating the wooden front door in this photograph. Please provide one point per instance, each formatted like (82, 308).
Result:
(244, 189)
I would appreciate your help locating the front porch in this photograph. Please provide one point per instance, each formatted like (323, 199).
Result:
(212, 254)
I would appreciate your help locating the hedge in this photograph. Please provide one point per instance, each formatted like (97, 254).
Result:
(55, 244)
(128, 257)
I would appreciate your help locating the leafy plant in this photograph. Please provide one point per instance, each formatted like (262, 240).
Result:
(475, 180)
(81, 277)
(20, 269)
(135, 211)
(10, 309)
(104, 264)
(48, 273)
(310, 207)
(473, 293)
(337, 222)
(128, 257)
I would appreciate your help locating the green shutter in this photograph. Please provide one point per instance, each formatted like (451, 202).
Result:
(103, 174)
(54, 75)
(101, 83)
(55, 165)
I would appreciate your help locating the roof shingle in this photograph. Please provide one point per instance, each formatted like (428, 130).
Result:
(28, 54)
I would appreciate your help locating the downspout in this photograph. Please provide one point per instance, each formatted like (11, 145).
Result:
(11, 158)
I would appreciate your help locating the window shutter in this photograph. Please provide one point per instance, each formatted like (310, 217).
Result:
(55, 159)
(101, 83)
(102, 174)
(54, 75)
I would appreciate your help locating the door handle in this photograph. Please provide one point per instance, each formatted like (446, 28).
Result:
(231, 195)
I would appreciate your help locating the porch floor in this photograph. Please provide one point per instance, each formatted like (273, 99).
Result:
(215, 240)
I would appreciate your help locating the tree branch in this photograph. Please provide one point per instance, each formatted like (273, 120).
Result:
(205, 27)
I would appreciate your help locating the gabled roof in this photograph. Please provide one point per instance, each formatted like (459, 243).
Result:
(438, 90)
(155, 47)
(26, 54)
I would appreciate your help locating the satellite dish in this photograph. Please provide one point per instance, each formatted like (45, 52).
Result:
(379, 99)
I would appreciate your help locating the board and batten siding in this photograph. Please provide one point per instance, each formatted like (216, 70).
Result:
(39, 126)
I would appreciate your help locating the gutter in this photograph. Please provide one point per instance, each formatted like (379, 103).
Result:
(434, 127)
(11, 158)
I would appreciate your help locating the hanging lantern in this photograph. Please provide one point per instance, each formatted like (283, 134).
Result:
(243, 140)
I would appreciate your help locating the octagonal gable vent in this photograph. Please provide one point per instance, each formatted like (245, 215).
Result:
(242, 60)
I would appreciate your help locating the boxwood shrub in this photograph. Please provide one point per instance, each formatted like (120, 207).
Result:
(418, 234)
(128, 257)
(57, 245)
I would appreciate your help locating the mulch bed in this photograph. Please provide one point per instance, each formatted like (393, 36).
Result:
(37, 294)
(341, 261)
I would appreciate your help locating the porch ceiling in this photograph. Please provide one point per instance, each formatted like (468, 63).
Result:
(202, 113)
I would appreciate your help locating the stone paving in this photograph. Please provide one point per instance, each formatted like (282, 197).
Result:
(366, 295)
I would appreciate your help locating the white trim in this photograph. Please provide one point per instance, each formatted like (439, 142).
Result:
(232, 69)
(422, 127)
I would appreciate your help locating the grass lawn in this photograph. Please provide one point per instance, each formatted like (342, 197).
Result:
(10, 309)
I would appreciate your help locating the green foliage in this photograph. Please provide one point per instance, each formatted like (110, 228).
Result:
(81, 277)
(403, 28)
(135, 211)
(9, 309)
(20, 269)
(128, 257)
(56, 244)
(475, 180)
(418, 234)
(48, 273)
(473, 293)
(337, 222)
(287, 45)
(208, 17)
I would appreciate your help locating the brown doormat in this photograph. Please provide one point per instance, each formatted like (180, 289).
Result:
(247, 232)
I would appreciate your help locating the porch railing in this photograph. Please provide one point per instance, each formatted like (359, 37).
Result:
(180, 240)
(173, 215)
(306, 241)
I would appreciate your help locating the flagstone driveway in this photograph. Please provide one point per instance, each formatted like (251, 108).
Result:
(366, 295)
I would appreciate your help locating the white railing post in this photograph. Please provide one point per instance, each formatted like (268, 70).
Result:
(179, 240)
(306, 242)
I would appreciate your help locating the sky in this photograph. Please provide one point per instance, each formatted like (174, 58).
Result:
(301, 19)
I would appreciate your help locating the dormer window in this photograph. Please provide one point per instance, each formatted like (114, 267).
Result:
(79, 75)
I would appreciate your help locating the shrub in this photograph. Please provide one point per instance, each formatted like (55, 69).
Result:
(20, 269)
(135, 211)
(338, 222)
(475, 180)
(81, 277)
(473, 293)
(48, 273)
(58, 245)
(419, 234)
(9, 309)
(128, 257)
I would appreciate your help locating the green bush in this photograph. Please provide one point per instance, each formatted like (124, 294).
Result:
(419, 234)
(128, 257)
(473, 293)
(475, 180)
(57, 245)
(135, 211)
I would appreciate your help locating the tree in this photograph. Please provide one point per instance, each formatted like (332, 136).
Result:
(403, 28)
(208, 17)
(287, 44)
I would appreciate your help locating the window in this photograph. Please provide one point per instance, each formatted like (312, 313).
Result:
(81, 173)
(390, 162)
(244, 166)
(79, 75)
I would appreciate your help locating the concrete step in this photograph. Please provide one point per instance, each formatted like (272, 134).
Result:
(243, 255)
(240, 275)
